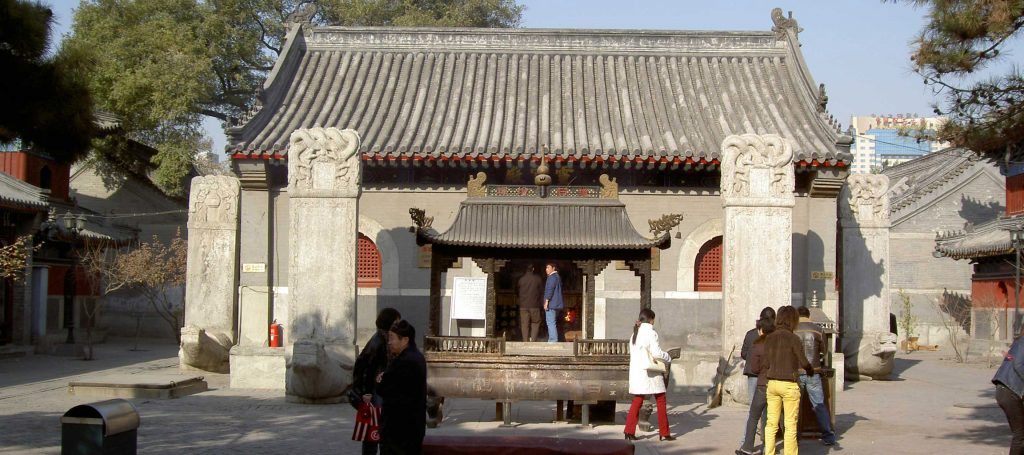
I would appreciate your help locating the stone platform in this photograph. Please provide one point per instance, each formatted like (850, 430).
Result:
(257, 367)
(147, 385)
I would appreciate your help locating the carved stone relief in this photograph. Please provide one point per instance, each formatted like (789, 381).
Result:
(864, 200)
(757, 166)
(322, 160)
(214, 201)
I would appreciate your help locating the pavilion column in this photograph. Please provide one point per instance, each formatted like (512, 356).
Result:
(868, 345)
(212, 273)
(757, 194)
(642, 269)
(438, 264)
(323, 192)
(590, 268)
(491, 267)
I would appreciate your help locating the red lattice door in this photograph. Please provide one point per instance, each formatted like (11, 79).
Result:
(708, 266)
(368, 263)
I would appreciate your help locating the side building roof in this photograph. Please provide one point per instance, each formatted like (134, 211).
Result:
(586, 95)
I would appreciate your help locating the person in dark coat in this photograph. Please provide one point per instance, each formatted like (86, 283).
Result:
(759, 399)
(403, 390)
(529, 290)
(372, 360)
(746, 353)
(1009, 382)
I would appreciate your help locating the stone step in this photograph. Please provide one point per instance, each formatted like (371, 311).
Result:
(542, 348)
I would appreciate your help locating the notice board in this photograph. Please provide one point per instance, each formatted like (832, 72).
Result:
(469, 298)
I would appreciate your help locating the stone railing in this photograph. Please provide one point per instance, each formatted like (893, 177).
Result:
(473, 345)
(586, 348)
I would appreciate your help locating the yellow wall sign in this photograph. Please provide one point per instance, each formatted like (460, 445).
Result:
(822, 275)
(254, 267)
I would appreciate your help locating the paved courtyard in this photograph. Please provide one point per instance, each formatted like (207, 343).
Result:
(933, 406)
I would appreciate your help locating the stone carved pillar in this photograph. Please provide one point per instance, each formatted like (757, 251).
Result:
(210, 307)
(757, 194)
(868, 345)
(323, 192)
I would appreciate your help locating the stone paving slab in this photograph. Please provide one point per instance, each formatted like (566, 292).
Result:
(933, 406)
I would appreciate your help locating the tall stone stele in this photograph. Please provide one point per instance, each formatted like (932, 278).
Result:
(323, 194)
(210, 306)
(868, 345)
(757, 246)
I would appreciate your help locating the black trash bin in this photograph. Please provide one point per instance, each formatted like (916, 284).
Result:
(107, 427)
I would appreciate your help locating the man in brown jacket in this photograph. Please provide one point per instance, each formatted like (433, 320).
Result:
(814, 348)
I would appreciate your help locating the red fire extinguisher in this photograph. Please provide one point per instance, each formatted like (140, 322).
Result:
(275, 334)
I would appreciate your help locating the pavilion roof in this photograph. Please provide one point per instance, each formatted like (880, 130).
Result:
(569, 222)
(991, 238)
(505, 94)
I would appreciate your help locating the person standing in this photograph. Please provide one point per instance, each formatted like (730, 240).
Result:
(372, 360)
(1009, 382)
(644, 346)
(784, 354)
(528, 290)
(814, 349)
(403, 390)
(745, 354)
(552, 300)
(758, 401)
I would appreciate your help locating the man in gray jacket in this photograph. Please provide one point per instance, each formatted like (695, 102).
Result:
(814, 348)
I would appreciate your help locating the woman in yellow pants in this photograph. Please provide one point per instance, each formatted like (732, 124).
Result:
(785, 357)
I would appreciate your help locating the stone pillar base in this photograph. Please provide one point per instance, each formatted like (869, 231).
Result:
(257, 367)
(869, 355)
(202, 350)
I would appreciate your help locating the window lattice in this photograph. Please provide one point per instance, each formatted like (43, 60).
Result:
(708, 266)
(368, 263)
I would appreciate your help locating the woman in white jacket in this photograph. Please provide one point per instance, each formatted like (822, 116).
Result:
(643, 382)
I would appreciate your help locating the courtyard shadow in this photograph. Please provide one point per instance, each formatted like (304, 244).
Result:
(108, 356)
(900, 366)
(983, 423)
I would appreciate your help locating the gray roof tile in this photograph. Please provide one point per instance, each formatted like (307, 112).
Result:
(503, 93)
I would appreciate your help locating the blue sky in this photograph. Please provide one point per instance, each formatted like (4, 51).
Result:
(858, 49)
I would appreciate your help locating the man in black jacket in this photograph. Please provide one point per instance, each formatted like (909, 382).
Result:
(403, 388)
(814, 349)
(372, 361)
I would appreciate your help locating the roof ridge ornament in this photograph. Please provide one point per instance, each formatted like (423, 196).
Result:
(609, 187)
(784, 24)
(663, 225)
(475, 186)
(420, 218)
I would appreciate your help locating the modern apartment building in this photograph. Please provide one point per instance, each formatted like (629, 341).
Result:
(879, 144)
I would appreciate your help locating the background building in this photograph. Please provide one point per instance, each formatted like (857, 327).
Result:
(879, 145)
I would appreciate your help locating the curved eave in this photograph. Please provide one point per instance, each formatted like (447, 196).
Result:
(542, 224)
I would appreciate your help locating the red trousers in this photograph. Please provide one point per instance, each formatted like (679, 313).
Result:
(634, 414)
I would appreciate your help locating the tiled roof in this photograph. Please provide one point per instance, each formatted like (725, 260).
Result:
(542, 224)
(983, 240)
(17, 194)
(918, 182)
(421, 93)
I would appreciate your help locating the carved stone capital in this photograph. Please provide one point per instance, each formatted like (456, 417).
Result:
(213, 202)
(864, 201)
(323, 162)
(758, 168)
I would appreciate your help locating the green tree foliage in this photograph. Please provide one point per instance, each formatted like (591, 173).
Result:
(164, 65)
(44, 98)
(961, 40)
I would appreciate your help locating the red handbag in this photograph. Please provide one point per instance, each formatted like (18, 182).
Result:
(367, 423)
